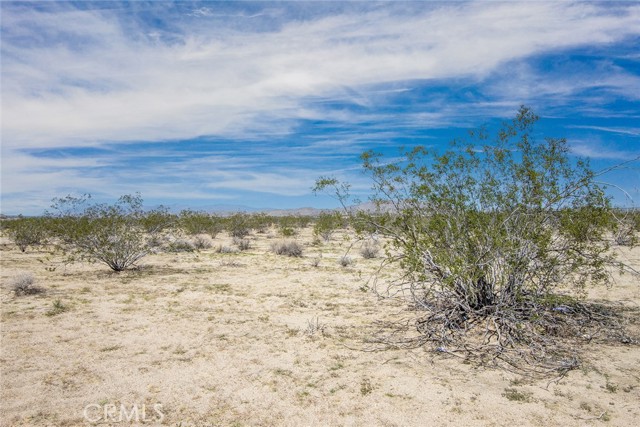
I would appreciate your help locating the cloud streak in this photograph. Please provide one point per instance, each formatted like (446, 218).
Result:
(99, 83)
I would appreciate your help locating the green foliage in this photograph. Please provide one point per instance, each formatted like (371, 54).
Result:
(489, 228)
(181, 245)
(157, 221)
(288, 226)
(193, 223)
(327, 224)
(111, 234)
(261, 222)
(25, 232)
(492, 220)
(239, 225)
(58, 307)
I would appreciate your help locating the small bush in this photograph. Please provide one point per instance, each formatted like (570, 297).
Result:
(327, 224)
(242, 244)
(292, 249)
(58, 308)
(369, 251)
(515, 395)
(239, 225)
(288, 232)
(624, 235)
(345, 261)
(226, 250)
(202, 242)
(26, 232)
(156, 241)
(181, 245)
(23, 284)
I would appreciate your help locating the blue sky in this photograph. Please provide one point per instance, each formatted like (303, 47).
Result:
(247, 103)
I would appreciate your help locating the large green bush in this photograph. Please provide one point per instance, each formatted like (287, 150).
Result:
(25, 232)
(489, 232)
(111, 234)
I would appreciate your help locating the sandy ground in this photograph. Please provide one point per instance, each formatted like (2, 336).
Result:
(257, 339)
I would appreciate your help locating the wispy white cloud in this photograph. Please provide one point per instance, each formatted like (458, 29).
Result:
(100, 83)
(632, 131)
(595, 150)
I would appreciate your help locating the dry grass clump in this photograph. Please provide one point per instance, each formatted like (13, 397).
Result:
(288, 248)
(345, 261)
(202, 241)
(24, 284)
(242, 244)
(370, 251)
(226, 250)
(181, 245)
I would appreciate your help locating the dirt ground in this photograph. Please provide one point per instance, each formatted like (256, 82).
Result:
(257, 339)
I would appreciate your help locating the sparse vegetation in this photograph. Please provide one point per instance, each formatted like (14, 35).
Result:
(238, 225)
(345, 261)
(201, 242)
(288, 248)
(242, 244)
(24, 284)
(181, 245)
(58, 307)
(226, 250)
(370, 250)
(26, 232)
(198, 223)
(515, 395)
(326, 225)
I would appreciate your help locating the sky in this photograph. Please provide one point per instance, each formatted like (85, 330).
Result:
(204, 104)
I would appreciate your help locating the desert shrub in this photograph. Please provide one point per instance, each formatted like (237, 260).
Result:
(242, 244)
(157, 221)
(181, 245)
(345, 261)
(24, 284)
(110, 234)
(288, 248)
(156, 242)
(238, 225)
(25, 232)
(369, 250)
(366, 224)
(288, 226)
(194, 223)
(261, 222)
(625, 235)
(486, 234)
(627, 227)
(326, 224)
(226, 250)
(57, 307)
(201, 242)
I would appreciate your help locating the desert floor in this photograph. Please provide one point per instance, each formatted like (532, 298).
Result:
(257, 339)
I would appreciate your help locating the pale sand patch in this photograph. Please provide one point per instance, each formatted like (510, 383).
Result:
(253, 338)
